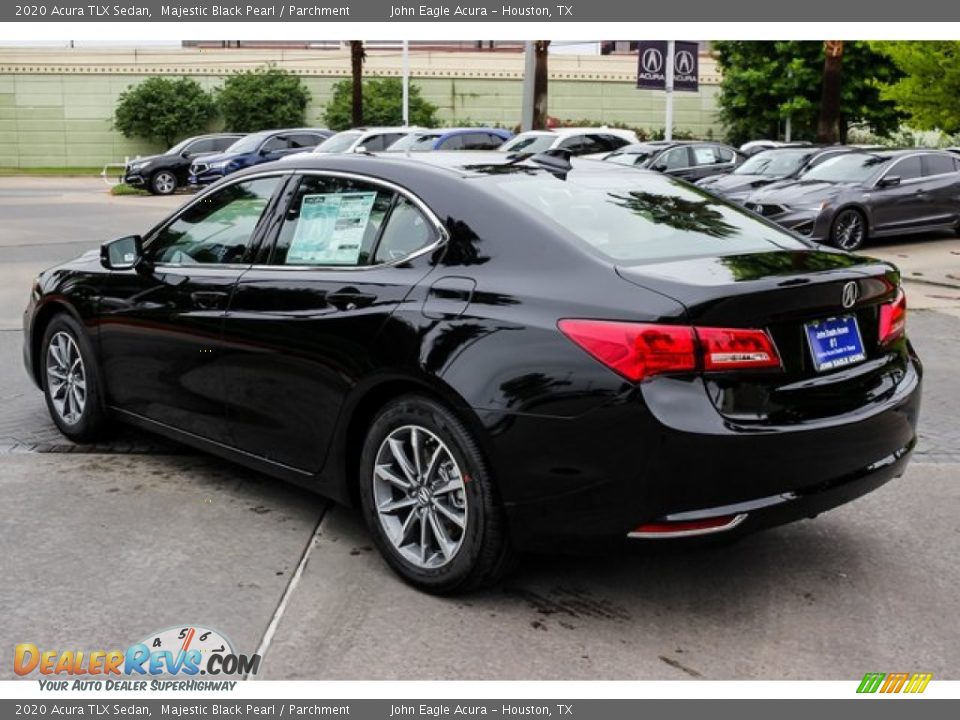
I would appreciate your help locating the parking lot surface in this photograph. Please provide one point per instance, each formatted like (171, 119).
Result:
(107, 544)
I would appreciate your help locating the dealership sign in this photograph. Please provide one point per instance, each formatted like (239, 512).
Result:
(652, 65)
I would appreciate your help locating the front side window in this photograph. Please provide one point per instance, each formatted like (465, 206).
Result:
(415, 142)
(675, 159)
(276, 143)
(907, 169)
(217, 229)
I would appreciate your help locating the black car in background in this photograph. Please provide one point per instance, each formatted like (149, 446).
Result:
(163, 174)
(491, 353)
(766, 167)
(690, 160)
(254, 149)
(867, 194)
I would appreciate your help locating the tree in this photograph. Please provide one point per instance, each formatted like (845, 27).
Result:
(828, 126)
(164, 110)
(540, 81)
(930, 85)
(357, 56)
(263, 99)
(766, 82)
(382, 105)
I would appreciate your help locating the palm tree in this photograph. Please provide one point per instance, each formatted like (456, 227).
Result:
(828, 127)
(357, 56)
(540, 84)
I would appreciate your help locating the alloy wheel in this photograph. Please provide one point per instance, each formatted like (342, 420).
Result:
(164, 183)
(66, 378)
(420, 496)
(849, 230)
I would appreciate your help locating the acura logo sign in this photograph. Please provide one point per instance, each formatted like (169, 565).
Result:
(652, 60)
(683, 62)
(850, 294)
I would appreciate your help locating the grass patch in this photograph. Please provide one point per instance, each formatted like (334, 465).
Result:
(122, 189)
(51, 171)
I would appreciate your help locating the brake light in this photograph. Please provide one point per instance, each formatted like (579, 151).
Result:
(736, 349)
(893, 318)
(640, 350)
(635, 350)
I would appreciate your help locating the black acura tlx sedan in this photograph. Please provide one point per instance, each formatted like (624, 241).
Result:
(492, 354)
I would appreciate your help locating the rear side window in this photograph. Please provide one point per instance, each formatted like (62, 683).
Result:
(705, 155)
(305, 140)
(454, 142)
(343, 222)
(938, 165)
(656, 217)
(406, 231)
(222, 143)
(331, 221)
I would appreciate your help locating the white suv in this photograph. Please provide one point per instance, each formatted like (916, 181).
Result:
(578, 140)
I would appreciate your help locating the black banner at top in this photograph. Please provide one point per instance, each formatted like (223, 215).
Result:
(476, 11)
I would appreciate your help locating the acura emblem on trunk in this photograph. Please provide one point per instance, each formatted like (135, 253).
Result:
(850, 293)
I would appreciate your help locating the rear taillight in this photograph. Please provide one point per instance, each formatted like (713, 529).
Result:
(736, 349)
(893, 318)
(635, 350)
(640, 350)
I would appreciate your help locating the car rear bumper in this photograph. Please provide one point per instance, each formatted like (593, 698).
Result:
(610, 472)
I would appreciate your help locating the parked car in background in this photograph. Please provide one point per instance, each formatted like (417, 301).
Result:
(578, 140)
(769, 166)
(466, 138)
(755, 146)
(372, 139)
(254, 149)
(651, 361)
(859, 195)
(686, 159)
(163, 174)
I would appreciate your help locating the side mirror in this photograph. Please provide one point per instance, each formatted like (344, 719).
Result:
(660, 167)
(124, 253)
(889, 181)
(360, 149)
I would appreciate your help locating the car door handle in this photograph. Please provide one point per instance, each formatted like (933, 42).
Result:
(209, 299)
(350, 299)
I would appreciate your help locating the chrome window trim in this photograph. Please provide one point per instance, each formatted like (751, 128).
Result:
(442, 236)
(914, 180)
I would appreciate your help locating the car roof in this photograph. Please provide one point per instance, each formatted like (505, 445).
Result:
(281, 131)
(473, 164)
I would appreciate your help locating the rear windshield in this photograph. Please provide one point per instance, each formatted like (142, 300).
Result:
(529, 143)
(852, 167)
(643, 218)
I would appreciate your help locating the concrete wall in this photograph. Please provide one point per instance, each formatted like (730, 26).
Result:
(56, 105)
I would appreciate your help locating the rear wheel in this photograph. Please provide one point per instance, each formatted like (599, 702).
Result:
(70, 380)
(428, 499)
(849, 230)
(163, 182)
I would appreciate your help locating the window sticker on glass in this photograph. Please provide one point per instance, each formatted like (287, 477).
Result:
(331, 228)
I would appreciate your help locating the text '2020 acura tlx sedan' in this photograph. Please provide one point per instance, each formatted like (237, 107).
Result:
(492, 353)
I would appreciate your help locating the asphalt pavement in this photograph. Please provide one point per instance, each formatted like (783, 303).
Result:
(105, 544)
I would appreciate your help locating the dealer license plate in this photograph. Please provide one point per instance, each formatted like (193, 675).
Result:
(835, 342)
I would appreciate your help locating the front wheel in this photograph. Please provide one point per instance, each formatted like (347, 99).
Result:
(163, 182)
(849, 230)
(428, 499)
(70, 381)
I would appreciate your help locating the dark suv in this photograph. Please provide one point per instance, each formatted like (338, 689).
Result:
(163, 174)
(254, 149)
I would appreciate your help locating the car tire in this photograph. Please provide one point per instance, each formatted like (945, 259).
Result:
(70, 380)
(163, 182)
(436, 521)
(849, 230)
